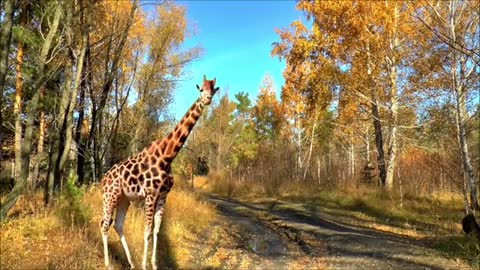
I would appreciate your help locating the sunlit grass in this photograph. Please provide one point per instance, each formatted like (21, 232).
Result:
(39, 238)
(67, 235)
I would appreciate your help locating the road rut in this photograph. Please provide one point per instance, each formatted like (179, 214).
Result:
(281, 235)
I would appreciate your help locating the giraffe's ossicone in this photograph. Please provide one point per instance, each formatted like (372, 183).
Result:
(146, 176)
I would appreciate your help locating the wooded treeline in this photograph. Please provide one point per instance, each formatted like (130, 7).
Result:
(380, 92)
(84, 84)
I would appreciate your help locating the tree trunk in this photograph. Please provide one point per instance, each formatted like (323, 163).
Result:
(377, 125)
(352, 159)
(76, 84)
(5, 39)
(54, 177)
(468, 174)
(319, 179)
(393, 146)
(80, 133)
(310, 149)
(17, 107)
(298, 142)
(379, 143)
(27, 141)
(41, 142)
(134, 145)
(48, 185)
(367, 146)
(392, 66)
(82, 140)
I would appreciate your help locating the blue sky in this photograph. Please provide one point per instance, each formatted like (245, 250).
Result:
(237, 38)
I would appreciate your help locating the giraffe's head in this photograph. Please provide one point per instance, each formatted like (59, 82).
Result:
(207, 90)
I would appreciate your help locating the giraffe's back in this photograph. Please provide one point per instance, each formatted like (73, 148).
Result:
(143, 174)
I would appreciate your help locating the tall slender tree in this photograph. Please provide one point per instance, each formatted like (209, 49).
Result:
(7, 10)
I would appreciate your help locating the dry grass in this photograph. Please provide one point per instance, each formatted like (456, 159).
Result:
(221, 183)
(202, 182)
(67, 235)
(36, 237)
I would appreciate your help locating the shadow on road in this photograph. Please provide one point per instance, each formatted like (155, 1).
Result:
(347, 246)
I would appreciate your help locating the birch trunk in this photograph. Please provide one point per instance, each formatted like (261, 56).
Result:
(392, 66)
(460, 75)
(468, 174)
(310, 149)
(352, 160)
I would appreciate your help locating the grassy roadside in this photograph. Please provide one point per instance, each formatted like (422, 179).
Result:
(67, 236)
(434, 219)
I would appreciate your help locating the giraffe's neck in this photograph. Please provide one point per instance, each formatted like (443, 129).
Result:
(176, 138)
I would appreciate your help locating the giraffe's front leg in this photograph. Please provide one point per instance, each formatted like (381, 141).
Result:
(149, 211)
(158, 221)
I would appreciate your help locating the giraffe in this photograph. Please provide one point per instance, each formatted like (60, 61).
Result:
(146, 176)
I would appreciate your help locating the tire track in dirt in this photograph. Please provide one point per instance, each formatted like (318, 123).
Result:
(239, 240)
(278, 236)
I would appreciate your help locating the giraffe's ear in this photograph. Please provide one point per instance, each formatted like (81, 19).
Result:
(216, 89)
(198, 87)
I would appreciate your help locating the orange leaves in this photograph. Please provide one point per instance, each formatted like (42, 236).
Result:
(299, 28)
(266, 101)
(267, 111)
(111, 16)
(414, 157)
(170, 21)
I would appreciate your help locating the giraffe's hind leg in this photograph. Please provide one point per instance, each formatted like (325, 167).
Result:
(156, 229)
(104, 226)
(122, 209)
(110, 201)
(149, 212)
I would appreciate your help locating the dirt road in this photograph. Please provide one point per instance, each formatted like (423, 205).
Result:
(280, 235)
